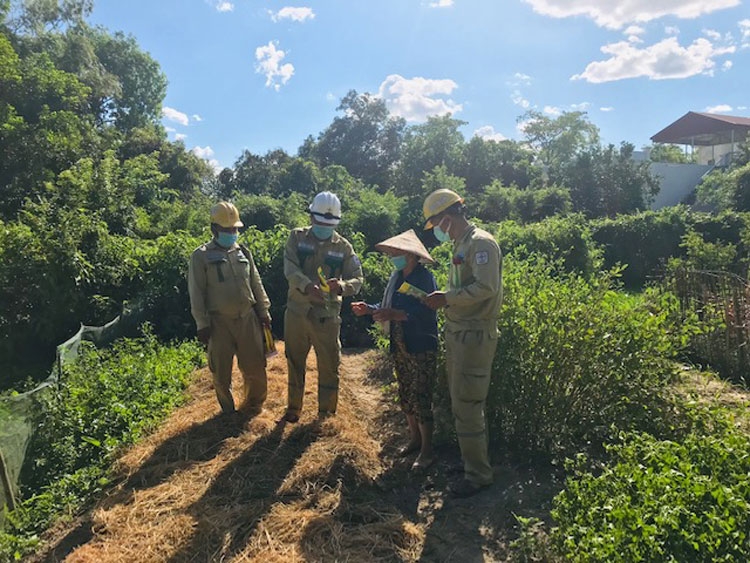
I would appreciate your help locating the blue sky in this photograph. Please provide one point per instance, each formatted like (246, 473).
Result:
(261, 74)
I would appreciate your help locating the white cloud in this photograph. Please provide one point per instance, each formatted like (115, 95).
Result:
(298, 14)
(488, 133)
(745, 31)
(552, 111)
(170, 129)
(672, 30)
(519, 100)
(666, 59)
(174, 115)
(330, 97)
(180, 136)
(269, 63)
(521, 79)
(721, 108)
(206, 153)
(727, 65)
(615, 14)
(741, 108)
(417, 98)
(607, 109)
(583, 106)
(634, 30)
(197, 118)
(712, 34)
(441, 4)
(221, 5)
(203, 152)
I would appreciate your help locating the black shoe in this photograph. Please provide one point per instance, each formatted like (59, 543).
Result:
(465, 488)
(289, 416)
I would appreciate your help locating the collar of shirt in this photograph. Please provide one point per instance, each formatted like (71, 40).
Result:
(467, 233)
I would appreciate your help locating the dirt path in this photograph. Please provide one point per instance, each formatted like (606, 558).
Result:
(205, 489)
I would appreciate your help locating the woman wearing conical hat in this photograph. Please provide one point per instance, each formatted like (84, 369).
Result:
(412, 327)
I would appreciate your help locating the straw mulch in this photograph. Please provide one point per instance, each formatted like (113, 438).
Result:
(205, 489)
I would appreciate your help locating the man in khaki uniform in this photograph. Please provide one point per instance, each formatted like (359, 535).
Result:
(229, 305)
(472, 304)
(321, 268)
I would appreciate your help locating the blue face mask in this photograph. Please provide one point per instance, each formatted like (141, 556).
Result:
(440, 234)
(399, 262)
(322, 232)
(226, 240)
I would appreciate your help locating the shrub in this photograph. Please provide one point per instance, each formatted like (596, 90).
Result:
(576, 359)
(659, 501)
(559, 238)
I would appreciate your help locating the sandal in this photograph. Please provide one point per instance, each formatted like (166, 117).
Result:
(421, 465)
(409, 448)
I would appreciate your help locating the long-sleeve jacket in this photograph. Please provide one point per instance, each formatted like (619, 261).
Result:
(224, 282)
(475, 282)
(420, 327)
(304, 254)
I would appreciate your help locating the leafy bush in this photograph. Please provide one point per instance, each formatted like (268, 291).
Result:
(559, 238)
(499, 203)
(576, 359)
(645, 242)
(660, 501)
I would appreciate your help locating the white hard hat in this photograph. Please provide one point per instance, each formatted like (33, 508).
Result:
(326, 208)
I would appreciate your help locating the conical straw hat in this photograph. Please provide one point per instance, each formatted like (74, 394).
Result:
(407, 242)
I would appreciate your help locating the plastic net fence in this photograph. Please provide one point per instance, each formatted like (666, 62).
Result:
(20, 413)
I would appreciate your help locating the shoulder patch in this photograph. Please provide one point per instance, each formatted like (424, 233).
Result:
(482, 257)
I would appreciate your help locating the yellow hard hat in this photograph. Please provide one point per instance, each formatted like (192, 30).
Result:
(226, 215)
(437, 202)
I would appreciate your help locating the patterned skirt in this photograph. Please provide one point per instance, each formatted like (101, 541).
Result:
(415, 374)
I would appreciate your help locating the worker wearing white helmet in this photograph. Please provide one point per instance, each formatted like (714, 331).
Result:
(321, 268)
(472, 303)
(229, 305)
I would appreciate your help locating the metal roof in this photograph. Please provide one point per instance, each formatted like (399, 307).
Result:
(705, 129)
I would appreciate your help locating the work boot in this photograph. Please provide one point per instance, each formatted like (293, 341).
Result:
(465, 488)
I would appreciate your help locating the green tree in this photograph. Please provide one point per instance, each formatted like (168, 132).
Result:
(607, 181)
(142, 84)
(557, 140)
(366, 140)
(485, 161)
(661, 152)
(438, 142)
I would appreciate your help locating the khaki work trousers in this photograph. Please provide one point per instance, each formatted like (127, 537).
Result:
(469, 355)
(241, 336)
(301, 332)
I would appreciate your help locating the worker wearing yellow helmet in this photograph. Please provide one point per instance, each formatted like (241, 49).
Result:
(472, 303)
(229, 305)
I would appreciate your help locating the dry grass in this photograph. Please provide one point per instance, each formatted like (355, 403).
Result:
(203, 489)
(710, 390)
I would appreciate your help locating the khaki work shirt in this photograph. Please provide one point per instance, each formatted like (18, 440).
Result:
(475, 282)
(224, 282)
(303, 255)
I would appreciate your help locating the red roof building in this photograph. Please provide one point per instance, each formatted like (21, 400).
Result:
(712, 137)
